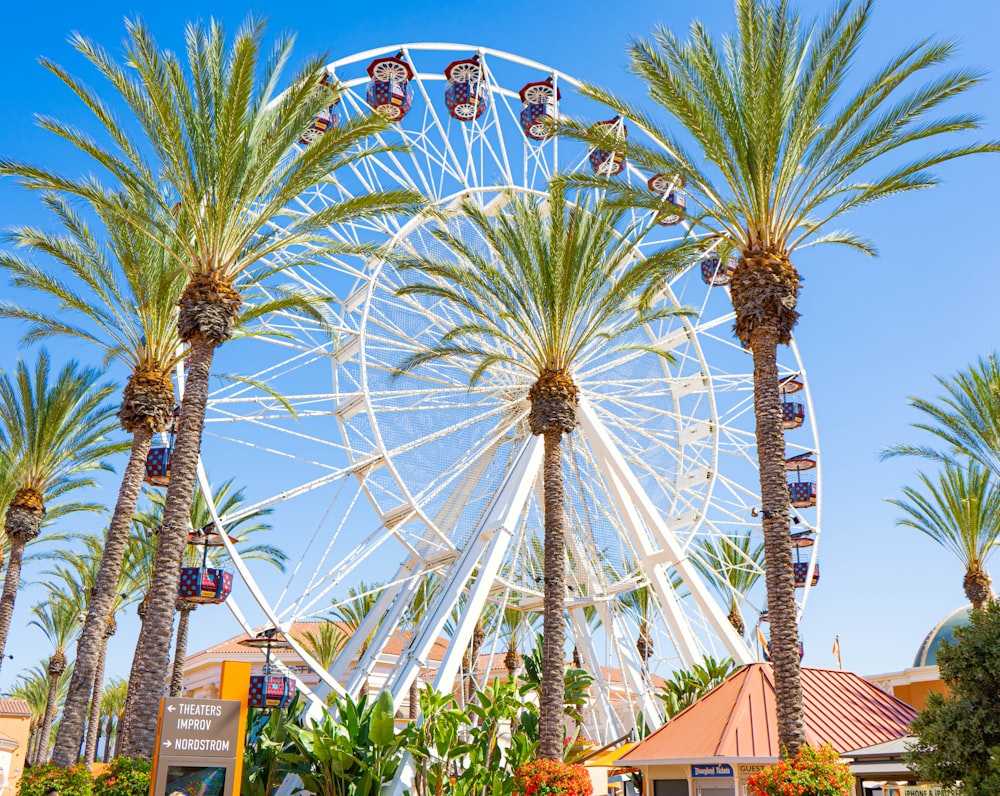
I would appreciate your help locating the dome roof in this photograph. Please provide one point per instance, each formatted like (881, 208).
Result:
(942, 631)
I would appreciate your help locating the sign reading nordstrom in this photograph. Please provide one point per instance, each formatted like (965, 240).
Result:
(712, 770)
(203, 727)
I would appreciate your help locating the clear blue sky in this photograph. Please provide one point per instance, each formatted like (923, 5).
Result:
(873, 332)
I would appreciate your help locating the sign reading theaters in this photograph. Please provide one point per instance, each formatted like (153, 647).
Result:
(202, 727)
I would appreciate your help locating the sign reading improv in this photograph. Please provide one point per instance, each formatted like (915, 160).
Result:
(201, 727)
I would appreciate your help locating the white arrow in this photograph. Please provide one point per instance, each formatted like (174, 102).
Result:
(166, 744)
(170, 708)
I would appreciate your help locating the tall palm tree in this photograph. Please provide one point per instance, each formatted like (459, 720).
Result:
(791, 147)
(557, 280)
(733, 564)
(58, 617)
(120, 296)
(224, 165)
(54, 434)
(960, 510)
(966, 419)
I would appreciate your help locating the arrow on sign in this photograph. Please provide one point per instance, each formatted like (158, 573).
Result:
(167, 744)
(170, 708)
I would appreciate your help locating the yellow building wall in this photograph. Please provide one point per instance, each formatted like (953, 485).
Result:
(19, 729)
(915, 694)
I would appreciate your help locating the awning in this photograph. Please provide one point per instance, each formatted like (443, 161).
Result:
(608, 758)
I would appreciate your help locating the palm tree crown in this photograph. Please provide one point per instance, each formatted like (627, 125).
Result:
(550, 283)
(789, 151)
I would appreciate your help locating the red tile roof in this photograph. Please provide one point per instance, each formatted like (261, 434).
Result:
(14, 707)
(737, 719)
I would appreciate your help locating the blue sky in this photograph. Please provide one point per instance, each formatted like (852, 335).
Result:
(872, 333)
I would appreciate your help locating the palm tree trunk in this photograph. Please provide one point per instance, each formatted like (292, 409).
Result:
(94, 723)
(92, 641)
(146, 690)
(777, 542)
(551, 709)
(414, 698)
(11, 580)
(109, 733)
(180, 648)
(50, 713)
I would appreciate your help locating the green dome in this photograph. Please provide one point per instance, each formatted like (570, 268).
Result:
(942, 631)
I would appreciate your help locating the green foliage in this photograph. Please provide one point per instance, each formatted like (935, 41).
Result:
(685, 686)
(552, 778)
(812, 772)
(353, 756)
(958, 736)
(577, 683)
(74, 781)
(124, 776)
(459, 752)
(268, 741)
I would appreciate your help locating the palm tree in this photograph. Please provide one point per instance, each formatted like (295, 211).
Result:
(325, 643)
(350, 613)
(638, 601)
(119, 296)
(225, 166)
(686, 686)
(59, 619)
(732, 565)
(557, 280)
(112, 706)
(966, 419)
(960, 510)
(33, 687)
(785, 159)
(53, 434)
(415, 613)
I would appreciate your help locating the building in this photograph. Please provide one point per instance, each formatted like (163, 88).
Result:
(712, 747)
(15, 730)
(912, 685)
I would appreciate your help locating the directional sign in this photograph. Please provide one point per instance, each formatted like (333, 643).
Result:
(199, 727)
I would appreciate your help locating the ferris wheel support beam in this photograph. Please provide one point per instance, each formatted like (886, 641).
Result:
(608, 726)
(633, 672)
(631, 497)
(486, 551)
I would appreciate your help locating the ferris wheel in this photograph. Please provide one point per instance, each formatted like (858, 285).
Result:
(380, 483)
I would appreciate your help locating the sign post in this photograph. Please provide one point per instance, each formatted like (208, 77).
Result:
(198, 742)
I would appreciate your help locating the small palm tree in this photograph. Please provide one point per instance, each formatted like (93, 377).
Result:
(53, 435)
(325, 643)
(686, 686)
(556, 281)
(223, 168)
(59, 619)
(960, 510)
(639, 602)
(733, 565)
(112, 706)
(786, 159)
(32, 686)
(350, 613)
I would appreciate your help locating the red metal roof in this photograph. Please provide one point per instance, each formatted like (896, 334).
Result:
(737, 719)
(14, 707)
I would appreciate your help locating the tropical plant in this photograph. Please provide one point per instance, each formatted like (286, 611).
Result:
(119, 296)
(354, 756)
(576, 685)
(732, 565)
(687, 686)
(53, 434)
(39, 780)
(957, 736)
(214, 170)
(549, 281)
(351, 612)
(790, 146)
(112, 707)
(960, 510)
(32, 685)
(267, 744)
(58, 617)
(638, 601)
(325, 643)
(459, 751)
(124, 776)
(966, 419)
(818, 772)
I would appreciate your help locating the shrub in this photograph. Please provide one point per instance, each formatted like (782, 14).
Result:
(813, 772)
(73, 781)
(124, 776)
(552, 778)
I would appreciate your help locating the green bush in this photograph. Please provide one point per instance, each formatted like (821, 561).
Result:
(75, 781)
(124, 776)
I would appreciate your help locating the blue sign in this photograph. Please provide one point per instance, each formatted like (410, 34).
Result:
(711, 770)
